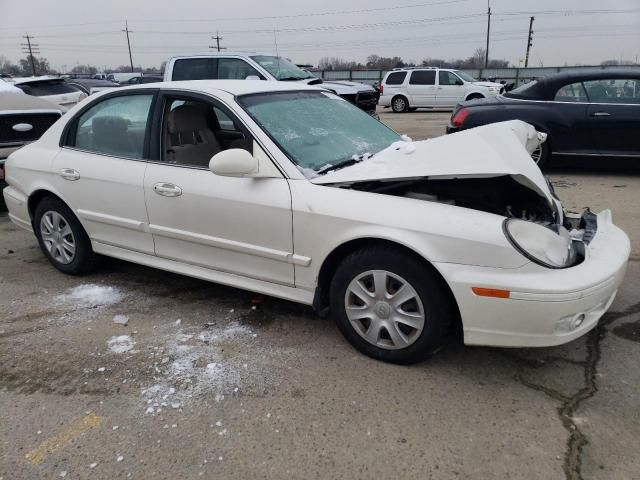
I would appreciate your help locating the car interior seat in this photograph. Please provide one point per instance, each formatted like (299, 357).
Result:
(188, 138)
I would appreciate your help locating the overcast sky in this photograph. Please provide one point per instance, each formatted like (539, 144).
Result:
(69, 32)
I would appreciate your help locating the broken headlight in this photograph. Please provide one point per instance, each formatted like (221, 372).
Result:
(541, 244)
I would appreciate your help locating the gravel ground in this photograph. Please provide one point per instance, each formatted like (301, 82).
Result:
(194, 379)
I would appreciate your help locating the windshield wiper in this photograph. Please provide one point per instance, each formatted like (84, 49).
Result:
(345, 163)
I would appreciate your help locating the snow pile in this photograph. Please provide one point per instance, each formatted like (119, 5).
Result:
(91, 295)
(120, 344)
(195, 364)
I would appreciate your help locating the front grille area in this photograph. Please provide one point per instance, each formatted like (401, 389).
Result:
(39, 121)
(365, 100)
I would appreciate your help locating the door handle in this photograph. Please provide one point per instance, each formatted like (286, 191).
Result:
(69, 174)
(600, 114)
(167, 189)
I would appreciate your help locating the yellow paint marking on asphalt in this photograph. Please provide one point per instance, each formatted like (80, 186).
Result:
(53, 444)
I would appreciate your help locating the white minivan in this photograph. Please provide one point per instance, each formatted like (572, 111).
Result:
(406, 89)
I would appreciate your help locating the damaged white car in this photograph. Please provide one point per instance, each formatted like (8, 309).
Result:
(291, 191)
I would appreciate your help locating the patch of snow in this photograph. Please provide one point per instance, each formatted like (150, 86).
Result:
(120, 344)
(101, 369)
(121, 319)
(93, 465)
(308, 173)
(119, 458)
(91, 295)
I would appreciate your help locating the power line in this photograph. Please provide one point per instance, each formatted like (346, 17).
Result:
(486, 52)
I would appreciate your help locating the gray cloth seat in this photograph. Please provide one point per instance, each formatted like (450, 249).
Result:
(189, 140)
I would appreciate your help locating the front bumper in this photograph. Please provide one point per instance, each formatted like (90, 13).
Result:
(544, 305)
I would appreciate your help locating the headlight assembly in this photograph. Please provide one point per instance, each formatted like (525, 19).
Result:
(540, 244)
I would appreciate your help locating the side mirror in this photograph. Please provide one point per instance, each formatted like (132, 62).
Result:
(234, 162)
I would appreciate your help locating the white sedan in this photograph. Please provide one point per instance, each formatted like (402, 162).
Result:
(290, 191)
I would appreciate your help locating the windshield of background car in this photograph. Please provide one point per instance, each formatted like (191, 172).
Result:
(317, 129)
(465, 76)
(281, 68)
(44, 88)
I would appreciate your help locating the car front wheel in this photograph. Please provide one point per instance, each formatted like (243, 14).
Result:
(389, 306)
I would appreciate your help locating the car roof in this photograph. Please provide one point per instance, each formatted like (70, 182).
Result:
(42, 78)
(221, 54)
(234, 87)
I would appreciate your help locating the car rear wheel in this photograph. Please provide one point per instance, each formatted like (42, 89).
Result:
(62, 238)
(389, 306)
(400, 104)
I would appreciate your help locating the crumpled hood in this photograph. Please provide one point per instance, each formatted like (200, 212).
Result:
(360, 87)
(489, 151)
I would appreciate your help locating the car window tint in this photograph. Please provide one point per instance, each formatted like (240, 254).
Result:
(574, 92)
(235, 69)
(195, 69)
(194, 131)
(115, 126)
(396, 78)
(447, 78)
(621, 90)
(425, 77)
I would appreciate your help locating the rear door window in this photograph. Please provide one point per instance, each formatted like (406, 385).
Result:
(396, 78)
(195, 69)
(424, 77)
(115, 126)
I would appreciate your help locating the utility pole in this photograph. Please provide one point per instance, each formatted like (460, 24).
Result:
(217, 38)
(30, 48)
(486, 58)
(127, 31)
(529, 42)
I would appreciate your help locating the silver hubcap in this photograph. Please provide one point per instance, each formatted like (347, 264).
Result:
(384, 309)
(57, 237)
(537, 154)
(399, 104)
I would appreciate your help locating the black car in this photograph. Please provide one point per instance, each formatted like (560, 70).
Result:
(594, 113)
(143, 79)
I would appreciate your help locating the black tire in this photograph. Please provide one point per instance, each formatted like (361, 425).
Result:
(474, 96)
(439, 310)
(84, 259)
(400, 104)
(544, 154)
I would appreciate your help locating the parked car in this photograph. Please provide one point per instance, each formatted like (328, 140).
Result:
(240, 66)
(305, 197)
(23, 119)
(407, 89)
(143, 79)
(122, 77)
(91, 85)
(53, 89)
(594, 113)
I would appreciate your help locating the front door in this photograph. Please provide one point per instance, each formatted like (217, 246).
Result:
(614, 115)
(100, 170)
(450, 90)
(235, 225)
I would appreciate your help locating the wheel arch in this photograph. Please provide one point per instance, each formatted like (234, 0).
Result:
(335, 257)
(403, 95)
(474, 94)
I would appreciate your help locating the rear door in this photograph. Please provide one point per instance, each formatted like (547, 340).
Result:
(422, 88)
(450, 90)
(614, 115)
(101, 169)
(393, 84)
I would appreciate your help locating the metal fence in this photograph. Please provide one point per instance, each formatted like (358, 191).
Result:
(516, 75)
